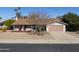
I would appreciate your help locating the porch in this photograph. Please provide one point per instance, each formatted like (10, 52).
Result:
(29, 27)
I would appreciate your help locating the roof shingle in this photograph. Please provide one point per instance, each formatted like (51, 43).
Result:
(34, 21)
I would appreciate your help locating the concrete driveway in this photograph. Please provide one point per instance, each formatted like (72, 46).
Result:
(49, 38)
(65, 37)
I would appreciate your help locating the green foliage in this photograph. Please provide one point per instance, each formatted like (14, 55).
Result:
(8, 23)
(59, 17)
(72, 20)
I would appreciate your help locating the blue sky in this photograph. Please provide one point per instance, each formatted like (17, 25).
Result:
(8, 12)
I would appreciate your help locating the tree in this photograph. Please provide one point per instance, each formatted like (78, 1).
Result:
(36, 17)
(8, 23)
(18, 13)
(17, 9)
(59, 17)
(72, 20)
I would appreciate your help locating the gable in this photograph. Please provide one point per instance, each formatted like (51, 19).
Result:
(55, 23)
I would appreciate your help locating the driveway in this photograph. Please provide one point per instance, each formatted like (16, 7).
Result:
(65, 37)
(48, 38)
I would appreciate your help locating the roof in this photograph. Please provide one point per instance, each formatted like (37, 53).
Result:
(2, 22)
(58, 23)
(34, 21)
(52, 20)
(28, 22)
(63, 23)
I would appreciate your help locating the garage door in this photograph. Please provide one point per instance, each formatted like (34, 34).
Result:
(55, 28)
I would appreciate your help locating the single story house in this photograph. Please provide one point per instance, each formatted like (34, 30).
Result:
(24, 23)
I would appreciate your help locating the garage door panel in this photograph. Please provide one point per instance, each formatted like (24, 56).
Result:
(55, 28)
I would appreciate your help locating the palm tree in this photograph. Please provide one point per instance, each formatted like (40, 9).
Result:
(17, 9)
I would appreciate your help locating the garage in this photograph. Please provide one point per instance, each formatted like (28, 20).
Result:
(56, 26)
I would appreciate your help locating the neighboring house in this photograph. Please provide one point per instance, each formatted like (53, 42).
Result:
(24, 23)
(1, 23)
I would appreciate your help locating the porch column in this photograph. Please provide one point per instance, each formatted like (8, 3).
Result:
(23, 28)
(64, 28)
(47, 29)
(13, 27)
(31, 26)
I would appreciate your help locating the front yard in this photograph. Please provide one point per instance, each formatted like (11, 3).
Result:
(49, 38)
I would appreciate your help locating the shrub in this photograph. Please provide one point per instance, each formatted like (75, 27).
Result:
(4, 29)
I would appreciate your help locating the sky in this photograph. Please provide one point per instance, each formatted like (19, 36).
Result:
(8, 12)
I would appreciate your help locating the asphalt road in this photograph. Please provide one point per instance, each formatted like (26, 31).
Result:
(5, 47)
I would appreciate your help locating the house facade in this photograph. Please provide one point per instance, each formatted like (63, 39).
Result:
(25, 23)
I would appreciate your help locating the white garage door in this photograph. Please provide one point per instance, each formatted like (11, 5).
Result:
(55, 27)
